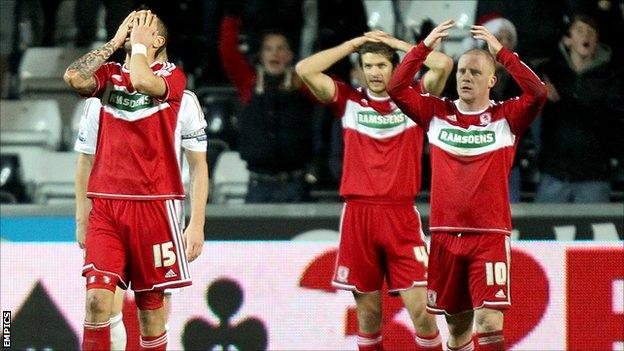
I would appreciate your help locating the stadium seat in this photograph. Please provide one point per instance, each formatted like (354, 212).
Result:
(55, 181)
(41, 69)
(31, 122)
(231, 178)
(30, 158)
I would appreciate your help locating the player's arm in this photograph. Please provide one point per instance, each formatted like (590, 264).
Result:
(144, 32)
(311, 69)
(417, 106)
(521, 111)
(83, 204)
(80, 75)
(440, 67)
(439, 64)
(194, 233)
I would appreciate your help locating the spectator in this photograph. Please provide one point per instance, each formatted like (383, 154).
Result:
(580, 118)
(274, 128)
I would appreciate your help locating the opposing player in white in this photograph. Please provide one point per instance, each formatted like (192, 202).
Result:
(190, 135)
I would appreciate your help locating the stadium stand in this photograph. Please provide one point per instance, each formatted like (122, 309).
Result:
(231, 179)
(30, 123)
(55, 178)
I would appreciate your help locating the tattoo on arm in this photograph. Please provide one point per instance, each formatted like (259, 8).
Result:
(89, 63)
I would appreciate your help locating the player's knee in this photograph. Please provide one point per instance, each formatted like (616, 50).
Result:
(98, 303)
(489, 320)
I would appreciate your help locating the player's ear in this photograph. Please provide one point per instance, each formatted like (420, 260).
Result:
(492, 81)
(159, 41)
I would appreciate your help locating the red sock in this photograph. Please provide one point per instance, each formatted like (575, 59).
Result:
(494, 341)
(96, 336)
(369, 342)
(154, 343)
(469, 346)
(429, 342)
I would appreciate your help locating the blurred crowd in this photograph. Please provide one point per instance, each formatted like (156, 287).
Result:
(292, 146)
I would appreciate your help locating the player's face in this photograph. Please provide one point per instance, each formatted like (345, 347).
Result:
(582, 39)
(475, 77)
(377, 71)
(275, 54)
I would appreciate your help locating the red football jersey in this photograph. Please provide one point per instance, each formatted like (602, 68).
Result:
(471, 152)
(136, 153)
(382, 147)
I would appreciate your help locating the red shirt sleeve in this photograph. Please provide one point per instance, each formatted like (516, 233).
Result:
(176, 82)
(341, 95)
(521, 111)
(102, 75)
(240, 73)
(416, 105)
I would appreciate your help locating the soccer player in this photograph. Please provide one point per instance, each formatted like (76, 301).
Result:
(381, 234)
(134, 227)
(473, 141)
(190, 132)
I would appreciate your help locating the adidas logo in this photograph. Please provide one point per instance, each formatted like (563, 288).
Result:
(501, 294)
(170, 274)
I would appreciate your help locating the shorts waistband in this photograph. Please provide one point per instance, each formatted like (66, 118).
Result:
(371, 200)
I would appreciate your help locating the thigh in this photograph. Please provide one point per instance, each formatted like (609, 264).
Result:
(105, 250)
(591, 192)
(489, 271)
(551, 189)
(447, 282)
(405, 250)
(153, 231)
(358, 264)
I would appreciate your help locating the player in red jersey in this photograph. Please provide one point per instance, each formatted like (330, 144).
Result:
(134, 226)
(473, 141)
(190, 135)
(381, 234)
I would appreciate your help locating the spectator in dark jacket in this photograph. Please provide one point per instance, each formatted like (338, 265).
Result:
(274, 126)
(579, 122)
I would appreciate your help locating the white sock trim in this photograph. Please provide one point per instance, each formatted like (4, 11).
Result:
(429, 342)
(154, 343)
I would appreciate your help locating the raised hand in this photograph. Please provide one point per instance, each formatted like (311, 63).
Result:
(480, 32)
(355, 43)
(396, 44)
(144, 28)
(123, 31)
(439, 32)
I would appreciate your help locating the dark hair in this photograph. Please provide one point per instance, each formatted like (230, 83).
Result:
(582, 17)
(381, 49)
(485, 53)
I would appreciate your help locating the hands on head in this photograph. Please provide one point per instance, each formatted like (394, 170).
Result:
(480, 32)
(438, 33)
(141, 27)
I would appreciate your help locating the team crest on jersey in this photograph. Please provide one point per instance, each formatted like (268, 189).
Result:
(342, 274)
(432, 297)
(485, 119)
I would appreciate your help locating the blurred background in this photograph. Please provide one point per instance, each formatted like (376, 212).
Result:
(566, 186)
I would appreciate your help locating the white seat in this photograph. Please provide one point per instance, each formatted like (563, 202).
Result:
(30, 122)
(42, 69)
(231, 178)
(30, 158)
(55, 181)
